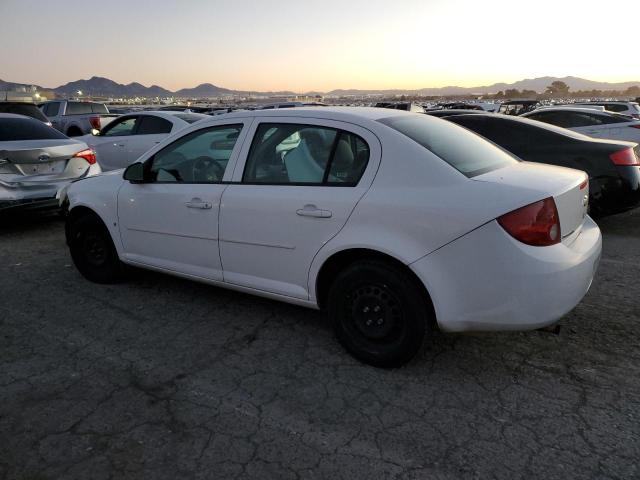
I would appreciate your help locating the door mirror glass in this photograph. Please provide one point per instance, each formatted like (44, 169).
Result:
(134, 173)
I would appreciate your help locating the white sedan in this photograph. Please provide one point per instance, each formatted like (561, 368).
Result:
(393, 222)
(123, 140)
(593, 122)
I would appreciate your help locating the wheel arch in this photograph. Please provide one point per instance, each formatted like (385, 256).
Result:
(338, 261)
(77, 212)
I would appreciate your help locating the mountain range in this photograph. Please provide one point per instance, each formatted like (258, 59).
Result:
(100, 86)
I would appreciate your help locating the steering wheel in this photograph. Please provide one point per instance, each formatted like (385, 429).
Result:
(207, 169)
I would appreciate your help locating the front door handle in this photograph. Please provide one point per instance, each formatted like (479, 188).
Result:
(313, 211)
(197, 203)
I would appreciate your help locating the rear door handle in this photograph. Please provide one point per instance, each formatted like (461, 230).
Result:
(313, 211)
(197, 203)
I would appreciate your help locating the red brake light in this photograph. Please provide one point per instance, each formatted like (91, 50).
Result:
(536, 224)
(635, 126)
(88, 154)
(95, 122)
(626, 157)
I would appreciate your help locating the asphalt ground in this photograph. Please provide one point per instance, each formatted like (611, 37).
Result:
(164, 378)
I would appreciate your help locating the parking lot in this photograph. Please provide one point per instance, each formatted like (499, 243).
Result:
(164, 378)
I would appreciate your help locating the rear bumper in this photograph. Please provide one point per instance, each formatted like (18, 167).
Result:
(35, 190)
(486, 280)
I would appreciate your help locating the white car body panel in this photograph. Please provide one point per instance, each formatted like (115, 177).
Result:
(409, 204)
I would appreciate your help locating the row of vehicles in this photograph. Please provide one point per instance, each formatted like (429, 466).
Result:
(393, 222)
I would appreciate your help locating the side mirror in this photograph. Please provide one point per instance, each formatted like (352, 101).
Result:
(134, 173)
(95, 132)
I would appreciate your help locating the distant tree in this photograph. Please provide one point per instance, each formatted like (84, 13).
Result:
(500, 94)
(558, 88)
(512, 93)
(529, 93)
(633, 91)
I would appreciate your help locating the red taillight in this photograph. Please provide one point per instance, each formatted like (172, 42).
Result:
(635, 126)
(537, 224)
(626, 157)
(95, 122)
(88, 154)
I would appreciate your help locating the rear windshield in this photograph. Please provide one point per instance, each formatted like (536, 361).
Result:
(85, 108)
(465, 151)
(26, 109)
(12, 129)
(190, 117)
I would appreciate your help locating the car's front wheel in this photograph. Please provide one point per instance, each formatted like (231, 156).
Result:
(92, 250)
(379, 313)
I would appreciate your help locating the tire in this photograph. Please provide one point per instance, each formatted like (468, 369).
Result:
(74, 132)
(378, 312)
(92, 250)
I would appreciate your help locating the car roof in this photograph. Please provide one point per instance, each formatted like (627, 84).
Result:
(570, 109)
(346, 114)
(15, 115)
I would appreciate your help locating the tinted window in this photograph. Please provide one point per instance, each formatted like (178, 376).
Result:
(23, 109)
(78, 108)
(120, 127)
(99, 108)
(26, 129)
(150, 125)
(464, 151)
(200, 157)
(52, 109)
(567, 119)
(616, 107)
(305, 154)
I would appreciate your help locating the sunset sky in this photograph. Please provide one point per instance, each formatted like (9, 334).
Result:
(305, 45)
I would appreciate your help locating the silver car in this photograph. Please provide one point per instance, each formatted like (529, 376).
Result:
(36, 161)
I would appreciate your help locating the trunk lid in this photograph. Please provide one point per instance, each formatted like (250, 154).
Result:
(37, 157)
(568, 187)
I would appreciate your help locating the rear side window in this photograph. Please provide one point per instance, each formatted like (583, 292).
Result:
(12, 129)
(284, 153)
(468, 153)
(616, 107)
(78, 108)
(99, 108)
(26, 109)
(150, 125)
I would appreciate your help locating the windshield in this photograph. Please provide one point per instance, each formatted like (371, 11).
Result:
(468, 153)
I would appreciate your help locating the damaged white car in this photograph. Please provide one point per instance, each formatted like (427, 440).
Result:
(37, 161)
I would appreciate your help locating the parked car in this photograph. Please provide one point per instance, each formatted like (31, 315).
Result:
(518, 107)
(625, 108)
(389, 220)
(36, 161)
(77, 118)
(23, 108)
(599, 124)
(612, 165)
(405, 106)
(450, 112)
(122, 141)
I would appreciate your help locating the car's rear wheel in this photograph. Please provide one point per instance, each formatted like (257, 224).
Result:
(74, 132)
(379, 313)
(92, 250)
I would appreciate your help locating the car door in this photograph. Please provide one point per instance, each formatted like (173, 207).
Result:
(112, 143)
(294, 188)
(149, 131)
(52, 111)
(170, 221)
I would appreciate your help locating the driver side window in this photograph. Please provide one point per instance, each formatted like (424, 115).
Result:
(199, 157)
(120, 127)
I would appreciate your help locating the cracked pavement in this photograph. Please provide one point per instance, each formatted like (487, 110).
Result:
(164, 378)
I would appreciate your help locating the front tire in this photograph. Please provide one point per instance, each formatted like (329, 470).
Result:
(92, 250)
(379, 313)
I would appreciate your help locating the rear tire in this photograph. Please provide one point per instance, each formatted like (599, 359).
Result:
(379, 313)
(92, 250)
(74, 132)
